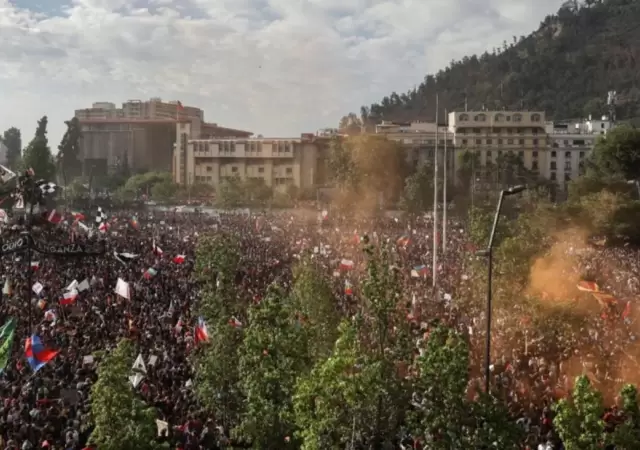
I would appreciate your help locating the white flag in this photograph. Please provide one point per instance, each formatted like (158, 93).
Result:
(139, 370)
(37, 287)
(83, 286)
(73, 285)
(122, 289)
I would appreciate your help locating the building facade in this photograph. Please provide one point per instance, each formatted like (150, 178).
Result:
(419, 140)
(140, 134)
(279, 162)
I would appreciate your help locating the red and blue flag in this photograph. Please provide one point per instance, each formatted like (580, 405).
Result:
(37, 354)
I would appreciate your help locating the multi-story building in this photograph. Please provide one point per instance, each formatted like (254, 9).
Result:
(491, 134)
(419, 139)
(570, 142)
(279, 162)
(141, 133)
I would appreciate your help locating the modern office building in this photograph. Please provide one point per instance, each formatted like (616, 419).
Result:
(142, 133)
(279, 162)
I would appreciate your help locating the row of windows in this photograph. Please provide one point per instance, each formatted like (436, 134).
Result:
(498, 130)
(573, 143)
(500, 142)
(234, 169)
(500, 117)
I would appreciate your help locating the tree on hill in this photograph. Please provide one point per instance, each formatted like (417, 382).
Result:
(564, 68)
(69, 151)
(12, 139)
(38, 156)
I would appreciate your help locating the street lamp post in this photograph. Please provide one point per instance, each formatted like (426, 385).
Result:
(488, 253)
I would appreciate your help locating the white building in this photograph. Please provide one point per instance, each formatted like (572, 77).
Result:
(569, 143)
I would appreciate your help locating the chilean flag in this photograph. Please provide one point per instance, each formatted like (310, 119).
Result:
(346, 264)
(157, 250)
(69, 297)
(54, 217)
(35, 265)
(37, 354)
(179, 259)
(201, 333)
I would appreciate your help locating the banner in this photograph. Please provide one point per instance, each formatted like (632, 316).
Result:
(16, 245)
(69, 249)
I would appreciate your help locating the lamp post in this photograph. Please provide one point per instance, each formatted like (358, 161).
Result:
(488, 253)
(635, 182)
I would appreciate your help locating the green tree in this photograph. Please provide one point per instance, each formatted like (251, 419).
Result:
(626, 435)
(122, 421)
(616, 155)
(418, 190)
(331, 402)
(256, 192)
(69, 151)
(231, 193)
(216, 368)
(341, 164)
(38, 156)
(272, 357)
(13, 140)
(164, 190)
(317, 307)
(578, 420)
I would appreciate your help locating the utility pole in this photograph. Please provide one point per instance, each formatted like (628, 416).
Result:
(444, 186)
(434, 269)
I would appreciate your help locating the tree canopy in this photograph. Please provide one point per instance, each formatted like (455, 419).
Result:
(12, 138)
(38, 155)
(69, 151)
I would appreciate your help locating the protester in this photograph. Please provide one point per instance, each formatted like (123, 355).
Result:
(154, 252)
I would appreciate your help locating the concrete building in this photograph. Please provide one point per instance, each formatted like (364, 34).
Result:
(570, 142)
(279, 162)
(492, 133)
(142, 133)
(419, 139)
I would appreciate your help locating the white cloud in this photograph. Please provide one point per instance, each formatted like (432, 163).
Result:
(276, 67)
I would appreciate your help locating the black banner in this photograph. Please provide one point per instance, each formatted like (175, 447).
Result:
(16, 245)
(69, 250)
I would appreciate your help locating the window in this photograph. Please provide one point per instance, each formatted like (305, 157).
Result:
(499, 117)
(508, 118)
(553, 154)
(535, 142)
(510, 141)
(260, 169)
(489, 142)
(582, 155)
(602, 125)
(499, 141)
(234, 169)
(567, 165)
(521, 141)
(209, 169)
(553, 176)
(534, 165)
(480, 118)
(478, 141)
(476, 130)
(488, 154)
(567, 155)
(567, 177)
(553, 165)
(521, 154)
(289, 170)
(535, 117)
(517, 117)
(464, 117)
(464, 142)
(534, 153)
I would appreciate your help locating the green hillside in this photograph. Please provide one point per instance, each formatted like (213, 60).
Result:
(565, 68)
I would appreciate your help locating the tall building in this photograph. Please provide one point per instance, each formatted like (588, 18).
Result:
(419, 139)
(142, 133)
(279, 162)
(490, 134)
(570, 142)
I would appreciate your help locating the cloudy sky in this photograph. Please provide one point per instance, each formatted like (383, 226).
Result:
(275, 67)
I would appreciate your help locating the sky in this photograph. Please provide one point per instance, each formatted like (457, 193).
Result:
(273, 67)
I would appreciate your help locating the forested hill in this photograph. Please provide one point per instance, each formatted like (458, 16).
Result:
(565, 68)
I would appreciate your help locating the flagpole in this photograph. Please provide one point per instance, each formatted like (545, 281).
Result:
(444, 188)
(434, 268)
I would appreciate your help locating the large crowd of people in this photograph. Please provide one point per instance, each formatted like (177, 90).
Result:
(51, 408)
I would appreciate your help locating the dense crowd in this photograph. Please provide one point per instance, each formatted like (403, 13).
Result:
(51, 408)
